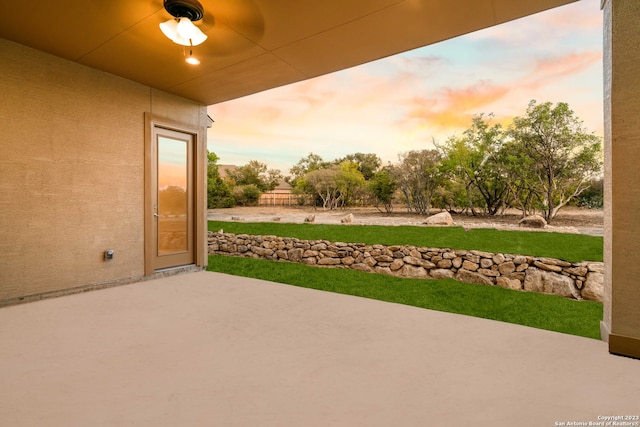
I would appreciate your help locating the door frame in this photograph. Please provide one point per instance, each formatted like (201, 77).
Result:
(199, 188)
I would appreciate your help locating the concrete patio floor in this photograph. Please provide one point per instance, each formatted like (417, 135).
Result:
(207, 349)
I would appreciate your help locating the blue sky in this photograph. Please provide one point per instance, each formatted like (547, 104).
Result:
(407, 101)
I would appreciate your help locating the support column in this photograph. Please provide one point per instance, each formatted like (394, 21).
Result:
(621, 323)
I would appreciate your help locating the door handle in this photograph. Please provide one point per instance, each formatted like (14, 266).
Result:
(156, 215)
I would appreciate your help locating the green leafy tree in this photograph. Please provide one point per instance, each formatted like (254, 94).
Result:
(368, 164)
(475, 160)
(247, 195)
(592, 197)
(256, 173)
(323, 184)
(564, 156)
(418, 175)
(218, 191)
(304, 166)
(350, 182)
(383, 186)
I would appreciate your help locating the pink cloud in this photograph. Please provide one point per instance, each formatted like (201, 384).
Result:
(554, 68)
(454, 108)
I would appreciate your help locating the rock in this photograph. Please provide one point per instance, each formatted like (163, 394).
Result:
(445, 263)
(548, 282)
(486, 263)
(498, 259)
(370, 261)
(471, 266)
(520, 259)
(384, 258)
(261, 251)
(547, 267)
(295, 254)
(396, 264)
(348, 260)
(470, 277)
(415, 253)
(533, 221)
(473, 258)
(554, 261)
(276, 219)
(597, 267)
(482, 254)
(489, 273)
(361, 267)
(442, 218)
(347, 219)
(506, 282)
(236, 218)
(412, 260)
(578, 271)
(507, 268)
(329, 261)
(442, 273)
(413, 271)
(310, 218)
(593, 288)
(382, 270)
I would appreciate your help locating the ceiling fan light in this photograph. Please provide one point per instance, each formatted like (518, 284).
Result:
(198, 37)
(169, 28)
(186, 29)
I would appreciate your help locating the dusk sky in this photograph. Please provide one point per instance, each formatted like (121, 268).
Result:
(404, 102)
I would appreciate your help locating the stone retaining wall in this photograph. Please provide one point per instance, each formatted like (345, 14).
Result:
(583, 280)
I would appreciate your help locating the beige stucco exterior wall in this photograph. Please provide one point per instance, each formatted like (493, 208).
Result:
(72, 171)
(622, 193)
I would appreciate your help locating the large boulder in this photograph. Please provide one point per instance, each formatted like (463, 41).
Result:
(533, 221)
(442, 218)
(347, 219)
(509, 283)
(593, 288)
(441, 273)
(547, 282)
(471, 277)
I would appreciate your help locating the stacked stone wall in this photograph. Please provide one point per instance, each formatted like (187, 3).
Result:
(583, 280)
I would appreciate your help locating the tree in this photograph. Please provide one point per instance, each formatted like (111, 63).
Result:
(349, 181)
(475, 160)
(218, 192)
(564, 156)
(305, 165)
(323, 184)
(383, 185)
(247, 195)
(367, 164)
(418, 175)
(256, 173)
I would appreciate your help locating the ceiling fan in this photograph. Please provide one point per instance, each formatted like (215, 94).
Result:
(181, 29)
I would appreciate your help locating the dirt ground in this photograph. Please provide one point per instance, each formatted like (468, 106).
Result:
(569, 219)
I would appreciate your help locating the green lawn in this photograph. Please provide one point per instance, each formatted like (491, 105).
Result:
(548, 312)
(569, 247)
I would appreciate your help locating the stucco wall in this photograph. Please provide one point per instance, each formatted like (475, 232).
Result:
(622, 156)
(72, 171)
